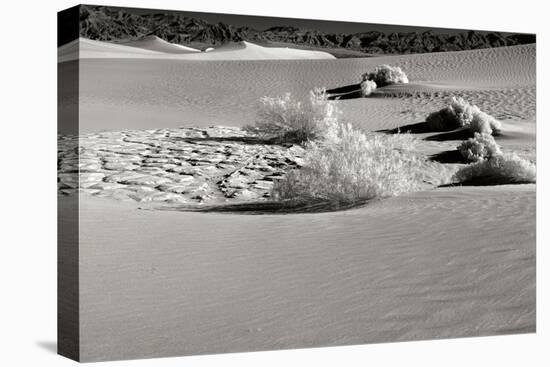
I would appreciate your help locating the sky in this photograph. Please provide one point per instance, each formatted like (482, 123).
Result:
(262, 23)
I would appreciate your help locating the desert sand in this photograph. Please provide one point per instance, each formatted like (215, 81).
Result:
(97, 49)
(155, 43)
(175, 166)
(443, 262)
(157, 49)
(149, 93)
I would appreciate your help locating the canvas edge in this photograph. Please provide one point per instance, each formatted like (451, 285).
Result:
(68, 300)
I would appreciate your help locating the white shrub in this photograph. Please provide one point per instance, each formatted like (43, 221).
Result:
(290, 120)
(499, 169)
(353, 167)
(481, 146)
(385, 75)
(367, 87)
(443, 120)
(459, 113)
(485, 124)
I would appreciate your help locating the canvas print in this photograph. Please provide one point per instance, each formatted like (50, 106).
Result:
(232, 183)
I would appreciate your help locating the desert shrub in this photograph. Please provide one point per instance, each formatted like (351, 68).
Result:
(499, 169)
(481, 146)
(290, 120)
(367, 87)
(443, 120)
(459, 113)
(484, 123)
(353, 167)
(385, 75)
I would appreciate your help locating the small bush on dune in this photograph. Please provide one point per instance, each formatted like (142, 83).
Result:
(287, 119)
(443, 120)
(367, 87)
(484, 123)
(385, 75)
(481, 146)
(491, 166)
(353, 167)
(500, 169)
(459, 113)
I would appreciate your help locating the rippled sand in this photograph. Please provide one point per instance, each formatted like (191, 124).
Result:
(117, 94)
(445, 262)
(452, 262)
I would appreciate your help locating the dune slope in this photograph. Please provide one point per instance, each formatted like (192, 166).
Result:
(85, 48)
(248, 51)
(155, 43)
(150, 93)
(445, 263)
(156, 49)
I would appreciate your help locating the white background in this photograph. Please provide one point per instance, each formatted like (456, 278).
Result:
(28, 182)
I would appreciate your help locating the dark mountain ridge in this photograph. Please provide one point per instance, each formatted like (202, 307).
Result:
(113, 24)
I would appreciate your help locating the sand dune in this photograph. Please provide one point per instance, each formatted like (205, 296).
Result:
(155, 43)
(452, 262)
(157, 49)
(446, 262)
(249, 51)
(148, 93)
(86, 48)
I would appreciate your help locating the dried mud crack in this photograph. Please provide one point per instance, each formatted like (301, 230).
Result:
(216, 165)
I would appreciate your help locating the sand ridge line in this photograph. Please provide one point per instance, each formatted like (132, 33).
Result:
(156, 48)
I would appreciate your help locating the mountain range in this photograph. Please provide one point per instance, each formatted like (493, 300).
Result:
(116, 24)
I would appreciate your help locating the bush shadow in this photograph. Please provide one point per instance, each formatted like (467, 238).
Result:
(487, 181)
(272, 207)
(458, 134)
(345, 89)
(448, 156)
(248, 140)
(416, 128)
(351, 91)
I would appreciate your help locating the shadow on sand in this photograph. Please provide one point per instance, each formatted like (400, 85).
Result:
(248, 140)
(351, 91)
(461, 134)
(422, 128)
(448, 156)
(458, 134)
(416, 128)
(487, 181)
(272, 207)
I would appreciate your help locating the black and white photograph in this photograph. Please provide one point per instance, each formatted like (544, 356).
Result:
(234, 183)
